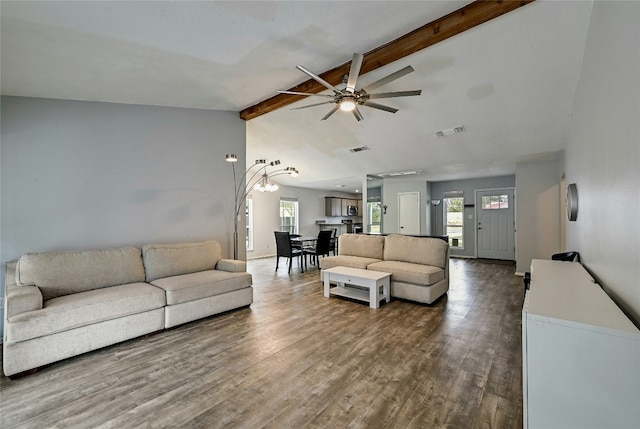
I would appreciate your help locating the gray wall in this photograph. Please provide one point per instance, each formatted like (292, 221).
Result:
(538, 211)
(603, 153)
(468, 187)
(85, 175)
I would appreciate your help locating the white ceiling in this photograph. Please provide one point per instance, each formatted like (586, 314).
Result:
(510, 82)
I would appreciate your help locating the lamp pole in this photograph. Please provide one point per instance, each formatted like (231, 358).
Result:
(258, 179)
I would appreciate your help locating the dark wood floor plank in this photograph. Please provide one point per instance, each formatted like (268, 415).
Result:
(297, 359)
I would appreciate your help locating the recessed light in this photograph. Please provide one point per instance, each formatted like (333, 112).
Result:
(339, 186)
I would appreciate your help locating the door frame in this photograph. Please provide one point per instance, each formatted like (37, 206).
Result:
(515, 219)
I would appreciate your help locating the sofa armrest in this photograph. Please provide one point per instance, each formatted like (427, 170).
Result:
(231, 265)
(20, 299)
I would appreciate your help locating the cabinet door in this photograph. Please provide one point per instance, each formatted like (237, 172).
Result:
(345, 203)
(360, 208)
(336, 207)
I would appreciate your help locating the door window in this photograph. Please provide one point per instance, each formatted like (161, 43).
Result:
(495, 202)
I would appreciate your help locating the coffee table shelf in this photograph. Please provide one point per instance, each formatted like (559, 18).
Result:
(353, 293)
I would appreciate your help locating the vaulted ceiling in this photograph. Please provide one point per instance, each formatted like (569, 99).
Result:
(509, 82)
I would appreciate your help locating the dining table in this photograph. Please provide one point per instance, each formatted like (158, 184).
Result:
(301, 242)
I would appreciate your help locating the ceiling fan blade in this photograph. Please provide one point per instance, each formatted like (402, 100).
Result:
(305, 93)
(356, 63)
(330, 113)
(357, 114)
(312, 105)
(380, 106)
(389, 78)
(395, 94)
(319, 79)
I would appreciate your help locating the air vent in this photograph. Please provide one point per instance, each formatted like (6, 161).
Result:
(399, 173)
(450, 131)
(358, 149)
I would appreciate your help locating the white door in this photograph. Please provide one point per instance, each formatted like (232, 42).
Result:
(409, 213)
(496, 226)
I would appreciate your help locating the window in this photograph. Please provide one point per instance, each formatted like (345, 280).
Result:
(375, 216)
(289, 215)
(493, 202)
(454, 218)
(249, 212)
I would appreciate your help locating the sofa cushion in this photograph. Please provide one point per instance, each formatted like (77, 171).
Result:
(365, 246)
(346, 261)
(408, 272)
(189, 287)
(417, 250)
(63, 273)
(84, 308)
(167, 260)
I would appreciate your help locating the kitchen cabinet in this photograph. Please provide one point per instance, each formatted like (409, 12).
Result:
(345, 204)
(335, 206)
(580, 353)
(332, 206)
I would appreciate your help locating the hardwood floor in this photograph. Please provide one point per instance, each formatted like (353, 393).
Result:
(295, 359)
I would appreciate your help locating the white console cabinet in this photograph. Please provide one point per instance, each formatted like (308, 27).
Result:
(581, 354)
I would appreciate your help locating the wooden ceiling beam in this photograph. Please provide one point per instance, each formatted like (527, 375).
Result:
(429, 34)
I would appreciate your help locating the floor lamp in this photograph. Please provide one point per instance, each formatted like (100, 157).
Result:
(255, 177)
(435, 204)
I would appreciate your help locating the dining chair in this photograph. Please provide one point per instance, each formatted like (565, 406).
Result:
(284, 249)
(334, 241)
(321, 248)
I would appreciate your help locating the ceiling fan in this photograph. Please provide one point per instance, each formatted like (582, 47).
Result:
(349, 98)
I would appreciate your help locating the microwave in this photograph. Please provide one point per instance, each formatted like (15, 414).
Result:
(352, 210)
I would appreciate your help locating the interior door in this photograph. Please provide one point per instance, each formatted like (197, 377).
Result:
(409, 213)
(496, 226)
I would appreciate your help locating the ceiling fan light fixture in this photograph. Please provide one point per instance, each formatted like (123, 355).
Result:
(347, 105)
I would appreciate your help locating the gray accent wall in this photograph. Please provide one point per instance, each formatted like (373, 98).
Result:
(603, 153)
(86, 175)
(468, 187)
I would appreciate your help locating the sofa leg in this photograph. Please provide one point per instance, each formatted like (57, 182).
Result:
(23, 374)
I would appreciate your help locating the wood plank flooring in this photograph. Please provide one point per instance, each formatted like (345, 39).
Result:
(295, 359)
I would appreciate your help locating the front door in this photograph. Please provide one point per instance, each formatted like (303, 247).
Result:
(409, 213)
(496, 226)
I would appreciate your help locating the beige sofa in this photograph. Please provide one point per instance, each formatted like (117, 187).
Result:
(419, 266)
(61, 304)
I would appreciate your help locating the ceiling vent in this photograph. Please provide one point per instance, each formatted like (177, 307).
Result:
(450, 131)
(400, 173)
(358, 149)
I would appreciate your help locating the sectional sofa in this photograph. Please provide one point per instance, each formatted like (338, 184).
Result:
(419, 266)
(61, 304)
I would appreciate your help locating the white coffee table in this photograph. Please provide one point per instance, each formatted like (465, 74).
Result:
(371, 280)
